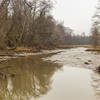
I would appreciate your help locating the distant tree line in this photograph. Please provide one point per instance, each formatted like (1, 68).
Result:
(81, 40)
(30, 23)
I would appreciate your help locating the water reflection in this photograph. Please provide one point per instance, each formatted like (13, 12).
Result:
(28, 77)
(96, 84)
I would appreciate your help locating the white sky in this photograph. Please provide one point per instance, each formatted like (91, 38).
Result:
(76, 14)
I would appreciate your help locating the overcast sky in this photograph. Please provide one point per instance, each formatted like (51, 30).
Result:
(76, 14)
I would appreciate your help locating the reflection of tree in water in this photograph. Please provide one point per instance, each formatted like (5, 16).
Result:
(32, 79)
(96, 84)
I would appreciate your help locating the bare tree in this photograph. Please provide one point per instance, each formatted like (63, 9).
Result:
(96, 26)
(95, 36)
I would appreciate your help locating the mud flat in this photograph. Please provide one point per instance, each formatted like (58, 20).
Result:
(76, 57)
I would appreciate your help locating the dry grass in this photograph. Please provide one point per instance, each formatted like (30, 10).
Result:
(93, 48)
(73, 46)
(37, 49)
(18, 49)
(25, 49)
(90, 47)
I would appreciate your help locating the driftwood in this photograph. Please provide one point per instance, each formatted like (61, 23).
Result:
(98, 69)
(3, 75)
(5, 67)
(7, 55)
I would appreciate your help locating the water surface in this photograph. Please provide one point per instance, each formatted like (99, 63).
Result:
(32, 78)
(71, 84)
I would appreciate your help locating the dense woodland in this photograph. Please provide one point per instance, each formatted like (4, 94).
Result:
(31, 24)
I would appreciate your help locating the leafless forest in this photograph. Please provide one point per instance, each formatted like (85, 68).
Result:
(41, 58)
(31, 24)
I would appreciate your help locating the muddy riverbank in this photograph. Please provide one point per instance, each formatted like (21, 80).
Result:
(10, 55)
(76, 57)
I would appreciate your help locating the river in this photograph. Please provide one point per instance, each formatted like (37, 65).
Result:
(65, 74)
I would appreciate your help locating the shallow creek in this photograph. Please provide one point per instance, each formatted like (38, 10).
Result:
(59, 76)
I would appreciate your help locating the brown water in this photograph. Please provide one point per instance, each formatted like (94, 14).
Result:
(32, 78)
(71, 84)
